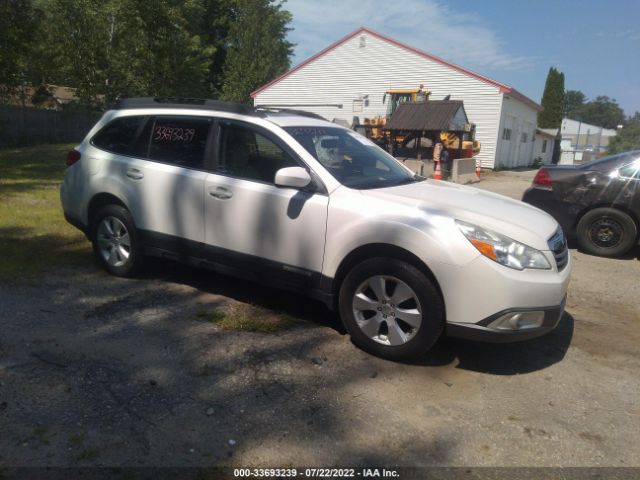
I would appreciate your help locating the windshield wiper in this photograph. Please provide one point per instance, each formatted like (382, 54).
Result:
(404, 181)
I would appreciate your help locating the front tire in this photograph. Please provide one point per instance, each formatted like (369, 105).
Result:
(606, 232)
(116, 243)
(391, 309)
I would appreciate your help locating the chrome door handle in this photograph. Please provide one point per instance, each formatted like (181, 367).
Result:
(221, 193)
(135, 174)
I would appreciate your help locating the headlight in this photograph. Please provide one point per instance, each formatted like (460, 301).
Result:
(503, 249)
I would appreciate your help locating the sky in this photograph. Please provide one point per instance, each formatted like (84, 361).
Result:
(596, 44)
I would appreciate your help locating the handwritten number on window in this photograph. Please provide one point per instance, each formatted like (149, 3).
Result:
(164, 133)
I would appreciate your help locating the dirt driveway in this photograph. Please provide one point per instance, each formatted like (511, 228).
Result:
(96, 370)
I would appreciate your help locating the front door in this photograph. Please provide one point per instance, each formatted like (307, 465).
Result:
(278, 233)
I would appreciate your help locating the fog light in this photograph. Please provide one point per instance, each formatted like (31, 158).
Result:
(518, 321)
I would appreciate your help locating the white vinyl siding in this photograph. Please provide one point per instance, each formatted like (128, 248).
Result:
(365, 69)
(516, 149)
(539, 149)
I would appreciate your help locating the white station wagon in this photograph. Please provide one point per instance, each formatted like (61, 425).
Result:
(297, 202)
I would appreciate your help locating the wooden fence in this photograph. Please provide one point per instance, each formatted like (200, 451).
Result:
(23, 126)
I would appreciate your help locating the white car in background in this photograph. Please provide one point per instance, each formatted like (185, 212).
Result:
(294, 201)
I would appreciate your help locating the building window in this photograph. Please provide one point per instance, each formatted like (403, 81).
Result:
(357, 105)
(523, 139)
(544, 146)
(363, 41)
(506, 134)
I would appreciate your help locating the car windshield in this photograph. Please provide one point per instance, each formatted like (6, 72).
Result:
(352, 159)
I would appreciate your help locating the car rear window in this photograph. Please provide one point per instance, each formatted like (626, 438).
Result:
(179, 140)
(611, 161)
(118, 136)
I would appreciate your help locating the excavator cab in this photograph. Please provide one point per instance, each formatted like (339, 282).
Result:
(396, 97)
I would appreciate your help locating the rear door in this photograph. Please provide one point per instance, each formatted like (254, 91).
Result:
(250, 223)
(163, 177)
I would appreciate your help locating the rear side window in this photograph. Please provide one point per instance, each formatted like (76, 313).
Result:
(119, 135)
(179, 141)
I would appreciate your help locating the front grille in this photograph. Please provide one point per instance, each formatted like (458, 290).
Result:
(558, 246)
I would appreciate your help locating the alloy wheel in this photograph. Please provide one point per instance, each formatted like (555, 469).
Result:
(387, 310)
(114, 241)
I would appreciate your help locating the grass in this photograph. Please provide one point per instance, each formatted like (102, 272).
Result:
(34, 236)
(77, 438)
(89, 453)
(245, 317)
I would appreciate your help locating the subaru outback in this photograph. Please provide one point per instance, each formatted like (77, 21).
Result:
(292, 200)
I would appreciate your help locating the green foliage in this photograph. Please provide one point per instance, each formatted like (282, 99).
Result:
(109, 49)
(628, 138)
(17, 21)
(603, 111)
(553, 100)
(119, 48)
(574, 99)
(258, 50)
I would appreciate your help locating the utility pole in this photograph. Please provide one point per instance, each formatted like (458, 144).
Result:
(577, 141)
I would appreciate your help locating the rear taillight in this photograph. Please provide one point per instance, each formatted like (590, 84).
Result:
(72, 157)
(543, 179)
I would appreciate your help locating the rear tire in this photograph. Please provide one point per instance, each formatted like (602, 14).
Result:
(116, 242)
(606, 232)
(403, 320)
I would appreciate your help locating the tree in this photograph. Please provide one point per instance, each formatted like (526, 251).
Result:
(217, 20)
(628, 137)
(18, 19)
(553, 100)
(603, 111)
(258, 50)
(574, 99)
(108, 49)
(115, 48)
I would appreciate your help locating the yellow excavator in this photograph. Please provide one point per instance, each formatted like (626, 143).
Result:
(374, 127)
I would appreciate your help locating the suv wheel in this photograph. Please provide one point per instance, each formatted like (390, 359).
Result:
(606, 232)
(115, 241)
(391, 309)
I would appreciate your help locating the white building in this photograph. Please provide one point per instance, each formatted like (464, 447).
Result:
(584, 136)
(348, 79)
(543, 145)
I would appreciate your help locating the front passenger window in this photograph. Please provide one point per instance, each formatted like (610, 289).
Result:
(245, 153)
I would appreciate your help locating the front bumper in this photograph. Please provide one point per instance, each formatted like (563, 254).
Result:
(481, 332)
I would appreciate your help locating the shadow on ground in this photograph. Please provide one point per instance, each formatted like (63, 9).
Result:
(491, 358)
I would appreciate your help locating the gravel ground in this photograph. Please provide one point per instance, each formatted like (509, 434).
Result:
(97, 370)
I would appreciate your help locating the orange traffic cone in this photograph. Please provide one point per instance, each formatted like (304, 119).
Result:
(478, 169)
(437, 174)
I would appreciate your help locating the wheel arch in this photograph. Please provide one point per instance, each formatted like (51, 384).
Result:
(97, 202)
(385, 250)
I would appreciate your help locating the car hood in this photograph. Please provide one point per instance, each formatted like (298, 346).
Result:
(518, 220)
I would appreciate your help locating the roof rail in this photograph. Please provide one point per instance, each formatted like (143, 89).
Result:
(185, 102)
(206, 104)
(292, 111)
